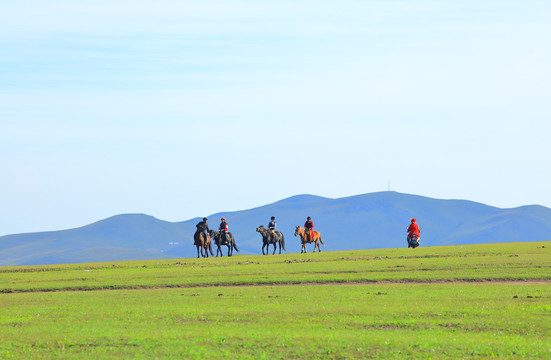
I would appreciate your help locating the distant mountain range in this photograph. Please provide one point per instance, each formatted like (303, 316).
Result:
(369, 221)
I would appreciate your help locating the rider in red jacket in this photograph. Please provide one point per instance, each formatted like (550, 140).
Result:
(223, 228)
(414, 229)
(309, 226)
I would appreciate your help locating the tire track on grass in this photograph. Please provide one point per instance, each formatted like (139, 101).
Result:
(535, 281)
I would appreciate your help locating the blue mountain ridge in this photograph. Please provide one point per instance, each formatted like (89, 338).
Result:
(368, 221)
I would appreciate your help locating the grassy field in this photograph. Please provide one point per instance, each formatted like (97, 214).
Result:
(438, 302)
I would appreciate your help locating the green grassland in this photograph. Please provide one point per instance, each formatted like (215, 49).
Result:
(477, 301)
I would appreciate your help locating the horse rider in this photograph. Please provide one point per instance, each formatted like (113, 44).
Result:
(223, 228)
(414, 229)
(309, 226)
(272, 225)
(203, 227)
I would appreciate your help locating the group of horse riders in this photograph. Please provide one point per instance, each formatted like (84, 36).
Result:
(413, 229)
(203, 227)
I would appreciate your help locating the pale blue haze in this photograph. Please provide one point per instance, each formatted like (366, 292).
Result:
(110, 107)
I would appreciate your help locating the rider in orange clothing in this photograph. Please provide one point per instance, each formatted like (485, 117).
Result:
(309, 226)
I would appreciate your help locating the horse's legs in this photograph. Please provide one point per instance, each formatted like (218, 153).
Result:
(197, 251)
(275, 247)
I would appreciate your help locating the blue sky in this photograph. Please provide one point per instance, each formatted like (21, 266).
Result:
(179, 110)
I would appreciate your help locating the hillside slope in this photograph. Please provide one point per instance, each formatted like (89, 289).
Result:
(368, 221)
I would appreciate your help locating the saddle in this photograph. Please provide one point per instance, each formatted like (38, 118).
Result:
(224, 239)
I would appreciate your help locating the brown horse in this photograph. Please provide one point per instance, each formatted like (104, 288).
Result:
(202, 243)
(306, 239)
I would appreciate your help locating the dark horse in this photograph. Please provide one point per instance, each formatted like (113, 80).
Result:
(271, 238)
(230, 243)
(202, 243)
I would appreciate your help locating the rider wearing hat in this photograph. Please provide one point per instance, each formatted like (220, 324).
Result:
(223, 228)
(309, 225)
(272, 224)
(414, 229)
(203, 227)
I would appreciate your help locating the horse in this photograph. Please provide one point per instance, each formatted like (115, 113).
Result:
(271, 238)
(218, 241)
(306, 239)
(201, 243)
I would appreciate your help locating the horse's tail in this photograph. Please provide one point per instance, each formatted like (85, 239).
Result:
(321, 241)
(233, 243)
(283, 241)
(210, 248)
